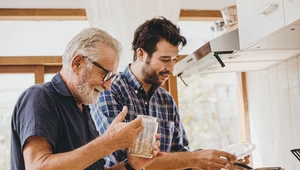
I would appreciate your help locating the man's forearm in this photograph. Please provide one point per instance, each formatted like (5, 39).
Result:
(37, 156)
(86, 155)
(172, 160)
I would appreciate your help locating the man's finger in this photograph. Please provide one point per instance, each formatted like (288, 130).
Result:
(157, 143)
(230, 166)
(157, 136)
(245, 160)
(218, 165)
(223, 160)
(122, 114)
(137, 123)
(229, 156)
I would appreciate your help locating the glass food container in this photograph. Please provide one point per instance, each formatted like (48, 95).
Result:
(143, 146)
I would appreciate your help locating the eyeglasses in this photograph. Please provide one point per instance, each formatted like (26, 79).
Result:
(108, 74)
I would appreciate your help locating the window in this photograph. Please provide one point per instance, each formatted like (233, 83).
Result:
(208, 107)
(11, 86)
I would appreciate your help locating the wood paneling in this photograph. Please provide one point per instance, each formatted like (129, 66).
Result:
(200, 15)
(172, 88)
(31, 64)
(180, 57)
(39, 74)
(243, 108)
(17, 69)
(52, 69)
(80, 14)
(42, 14)
(31, 60)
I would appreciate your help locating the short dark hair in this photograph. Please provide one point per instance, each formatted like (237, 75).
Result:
(147, 35)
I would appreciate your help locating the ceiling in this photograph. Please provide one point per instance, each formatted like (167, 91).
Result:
(187, 4)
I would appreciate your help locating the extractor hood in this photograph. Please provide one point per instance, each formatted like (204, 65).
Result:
(223, 54)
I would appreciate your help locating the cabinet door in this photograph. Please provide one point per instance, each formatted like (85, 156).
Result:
(291, 10)
(257, 19)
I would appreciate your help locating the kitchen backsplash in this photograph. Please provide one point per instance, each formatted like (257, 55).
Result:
(274, 109)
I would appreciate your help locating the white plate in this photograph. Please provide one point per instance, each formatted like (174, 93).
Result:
(240, 150)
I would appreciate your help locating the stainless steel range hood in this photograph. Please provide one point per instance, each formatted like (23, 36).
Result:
(225, 50)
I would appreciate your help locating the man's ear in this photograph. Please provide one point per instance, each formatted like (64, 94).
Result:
(141, 54)
(76, 63)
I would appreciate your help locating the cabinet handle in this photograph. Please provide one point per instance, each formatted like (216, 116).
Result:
(267, 8)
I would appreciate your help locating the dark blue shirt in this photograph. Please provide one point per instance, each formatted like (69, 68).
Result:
(126, 90)
(49, 110)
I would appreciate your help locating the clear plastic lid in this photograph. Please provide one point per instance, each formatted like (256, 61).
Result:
(240, 150)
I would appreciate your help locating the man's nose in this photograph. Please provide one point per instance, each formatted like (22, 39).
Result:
(170, 66)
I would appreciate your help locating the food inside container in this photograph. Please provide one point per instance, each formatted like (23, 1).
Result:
(144, 144)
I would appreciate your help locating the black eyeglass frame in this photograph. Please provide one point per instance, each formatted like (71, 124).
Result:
(108, 74)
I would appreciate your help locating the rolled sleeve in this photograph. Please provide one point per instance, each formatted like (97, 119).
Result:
(36, 117)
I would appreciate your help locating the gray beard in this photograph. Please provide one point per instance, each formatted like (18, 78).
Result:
(85, 93)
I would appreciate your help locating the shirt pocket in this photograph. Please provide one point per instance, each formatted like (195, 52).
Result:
(166, 130)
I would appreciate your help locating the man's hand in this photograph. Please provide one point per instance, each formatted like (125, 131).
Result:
(122, 135)
(139, 162)
(212, 159)
(244, 161)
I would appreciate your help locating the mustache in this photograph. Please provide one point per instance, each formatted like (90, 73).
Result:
(165, 72)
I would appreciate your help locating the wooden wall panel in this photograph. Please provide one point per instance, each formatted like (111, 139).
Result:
(243, 108)
(31, 60)
(16, 69)
(42, 14)
(200, 15)
(39, 74)
(52, 69)
(38, 65)
(80, 14)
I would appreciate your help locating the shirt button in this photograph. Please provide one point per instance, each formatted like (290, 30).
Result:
(136, 92)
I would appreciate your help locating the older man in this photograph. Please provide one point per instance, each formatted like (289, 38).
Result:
(51, 125)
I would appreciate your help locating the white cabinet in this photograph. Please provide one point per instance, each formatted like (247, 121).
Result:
(291, 10)
(259, 18)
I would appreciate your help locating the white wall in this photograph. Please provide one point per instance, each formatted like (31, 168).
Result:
(49, 38)
(41, 38)
(274, 108)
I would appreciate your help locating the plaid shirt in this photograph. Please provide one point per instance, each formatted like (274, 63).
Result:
(126, 90)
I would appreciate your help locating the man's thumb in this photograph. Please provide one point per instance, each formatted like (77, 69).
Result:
(122, 114)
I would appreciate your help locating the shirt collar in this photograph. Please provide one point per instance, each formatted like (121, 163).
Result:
(133, 81)
(60, 85)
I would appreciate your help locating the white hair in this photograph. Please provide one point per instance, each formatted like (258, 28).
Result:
(87, 43)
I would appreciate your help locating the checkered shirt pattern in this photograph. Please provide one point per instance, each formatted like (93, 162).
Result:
(126, 90)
